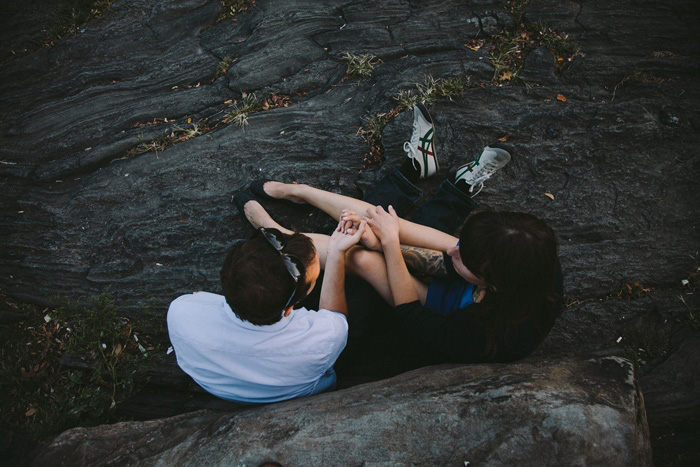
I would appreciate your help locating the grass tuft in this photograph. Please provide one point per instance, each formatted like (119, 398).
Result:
(251, 104)
(432, 89)
(509, 49)
(222, 67)
(242, 110)
(177, 135)
(359, 65)
(230, 9)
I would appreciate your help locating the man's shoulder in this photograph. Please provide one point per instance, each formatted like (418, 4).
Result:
(197, 303)
(331, 320)
(197, 298)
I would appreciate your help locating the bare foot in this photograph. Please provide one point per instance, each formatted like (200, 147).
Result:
(286, 191)
(258, 217)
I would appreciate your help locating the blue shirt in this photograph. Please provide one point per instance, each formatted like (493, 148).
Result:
(236, 360)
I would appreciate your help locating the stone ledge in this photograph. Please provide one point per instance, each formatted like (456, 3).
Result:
(537, 412)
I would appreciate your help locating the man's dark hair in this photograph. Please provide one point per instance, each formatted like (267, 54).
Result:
(257, 284)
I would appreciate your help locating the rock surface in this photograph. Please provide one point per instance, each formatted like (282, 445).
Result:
(539, 412)
(81, 211)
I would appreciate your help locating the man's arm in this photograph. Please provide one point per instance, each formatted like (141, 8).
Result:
(423, 261)
(333, 286)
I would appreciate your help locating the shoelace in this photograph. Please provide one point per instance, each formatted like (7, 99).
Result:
(488, 169)
(415, 137)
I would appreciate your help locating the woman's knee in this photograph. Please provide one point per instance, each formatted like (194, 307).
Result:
(362, 262)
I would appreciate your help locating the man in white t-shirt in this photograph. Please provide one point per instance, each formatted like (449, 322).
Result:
(249, 345)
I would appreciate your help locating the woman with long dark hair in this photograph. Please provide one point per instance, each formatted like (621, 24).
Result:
(493, 293)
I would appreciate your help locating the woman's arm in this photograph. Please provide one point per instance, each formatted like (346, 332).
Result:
(410, 233)
(423, 261)
(386, 226)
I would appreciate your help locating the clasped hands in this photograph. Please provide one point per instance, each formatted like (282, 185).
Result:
(383, 226)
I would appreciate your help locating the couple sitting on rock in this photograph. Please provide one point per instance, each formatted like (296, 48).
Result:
(492, 296)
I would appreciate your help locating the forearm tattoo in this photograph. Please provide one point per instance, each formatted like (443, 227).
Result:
(423, 261)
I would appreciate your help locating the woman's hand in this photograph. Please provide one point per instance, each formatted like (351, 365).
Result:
(385, 225)
(351, 221)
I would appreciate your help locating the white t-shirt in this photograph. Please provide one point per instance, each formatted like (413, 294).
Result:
(240, 361)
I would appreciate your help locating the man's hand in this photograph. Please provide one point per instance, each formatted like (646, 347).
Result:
(333, 287)
(385, 225)
(351, 221)
(343, 238)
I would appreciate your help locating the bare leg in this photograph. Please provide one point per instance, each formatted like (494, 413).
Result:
(371, 267)
(333, 204)
(368, 265)
(259, 217)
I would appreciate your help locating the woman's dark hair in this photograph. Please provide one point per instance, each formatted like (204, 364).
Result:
(515, 253)
(256, 282)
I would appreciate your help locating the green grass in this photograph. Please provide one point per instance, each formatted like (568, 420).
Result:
(222, 67)
(426, 92)
(176, 135)
(248, 105)
(72, 16)
(432, 89)
(371, 132)
(230, 9)
(242, 110)
(359, 65)
(517, 7)
(510, 47)
(43, 396)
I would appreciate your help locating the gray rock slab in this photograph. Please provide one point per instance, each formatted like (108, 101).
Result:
(537, 412)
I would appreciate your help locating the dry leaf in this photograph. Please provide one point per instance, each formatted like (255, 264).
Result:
(475, 44)
(550, 196)
(189, 120)
(228, 102)
(506, 76)
(31, 412)
(504, 138)
(561, 98)
(117, 349)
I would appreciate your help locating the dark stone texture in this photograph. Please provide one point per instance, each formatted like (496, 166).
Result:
(538, 412)
(539, 67)
(620, 156)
